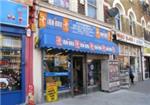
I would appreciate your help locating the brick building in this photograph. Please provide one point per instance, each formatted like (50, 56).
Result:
(131, 22)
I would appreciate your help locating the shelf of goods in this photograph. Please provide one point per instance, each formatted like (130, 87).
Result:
(10, 68)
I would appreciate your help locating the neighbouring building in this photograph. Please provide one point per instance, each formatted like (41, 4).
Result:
(130, 19)
(13, 51)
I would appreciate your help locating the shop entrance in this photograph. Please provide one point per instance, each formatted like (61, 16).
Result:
(78, 75)
(132, 63)
(147, 67)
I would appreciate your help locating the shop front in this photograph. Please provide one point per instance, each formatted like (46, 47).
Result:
(72, 52)
(146, 60)
(130, 53)
(13, 21)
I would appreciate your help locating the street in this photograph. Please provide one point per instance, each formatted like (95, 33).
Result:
(138, 94)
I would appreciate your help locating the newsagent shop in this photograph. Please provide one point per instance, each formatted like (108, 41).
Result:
(72, 52)
(130, 53)
(13, 21)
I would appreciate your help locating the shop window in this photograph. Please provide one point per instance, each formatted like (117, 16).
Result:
(10, 63)
(60, 3)
(91, 8)
(106, 14)
(93, 72)
(56, 69)
(81, 7)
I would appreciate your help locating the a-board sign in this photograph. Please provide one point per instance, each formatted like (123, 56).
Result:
(51, 92)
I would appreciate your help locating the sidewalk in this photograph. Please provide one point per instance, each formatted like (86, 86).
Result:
(138, 94)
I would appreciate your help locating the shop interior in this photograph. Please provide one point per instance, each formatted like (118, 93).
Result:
(147, 67)
(55, 68)
(10, 63)
(78, 75)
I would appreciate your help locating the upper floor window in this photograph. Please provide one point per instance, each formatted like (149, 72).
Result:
(143, 28)
(60, 3)
(131, 25)
(118, 21)
(91, 8)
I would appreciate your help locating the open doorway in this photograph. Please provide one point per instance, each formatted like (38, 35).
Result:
(78, 75)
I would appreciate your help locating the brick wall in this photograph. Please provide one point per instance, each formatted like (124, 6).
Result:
(138, 9)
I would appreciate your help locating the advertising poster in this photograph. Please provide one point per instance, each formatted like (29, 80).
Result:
(51, 92)
(15, 14)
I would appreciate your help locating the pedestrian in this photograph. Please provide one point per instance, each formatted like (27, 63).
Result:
(131, 75)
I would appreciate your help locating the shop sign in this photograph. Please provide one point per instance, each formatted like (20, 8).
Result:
(27, 2)
(51, 21)
(51, 92)
(70, 34)
(129, 39)
(15, 14)
(53, 74)
(147, 50)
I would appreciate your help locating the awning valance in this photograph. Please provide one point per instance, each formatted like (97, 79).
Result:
(64, 33)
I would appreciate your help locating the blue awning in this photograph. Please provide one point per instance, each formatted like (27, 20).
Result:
(87, 45)
(62, 33)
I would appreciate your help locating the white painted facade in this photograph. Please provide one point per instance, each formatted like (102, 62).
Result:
(37, 53)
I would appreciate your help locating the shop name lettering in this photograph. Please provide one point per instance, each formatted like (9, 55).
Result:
(77, 44)
(55, 23)
(129, 39)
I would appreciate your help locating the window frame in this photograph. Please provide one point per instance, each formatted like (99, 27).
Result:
(55, 74)
(53, 3)
(118, 24)
(132, 25)
(92, 5)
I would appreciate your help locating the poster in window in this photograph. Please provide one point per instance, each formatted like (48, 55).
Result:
(57, 61)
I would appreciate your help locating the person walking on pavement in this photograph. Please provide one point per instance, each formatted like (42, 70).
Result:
(131, 74)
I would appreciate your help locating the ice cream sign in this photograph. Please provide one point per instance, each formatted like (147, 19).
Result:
(129, 39)
(15, 14)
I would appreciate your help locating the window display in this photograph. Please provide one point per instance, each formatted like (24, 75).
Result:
(94, 72)
(10, 63)
(56, 69)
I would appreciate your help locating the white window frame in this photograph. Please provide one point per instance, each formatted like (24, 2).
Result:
(86, 8)
(132, 24)
(120, 23)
